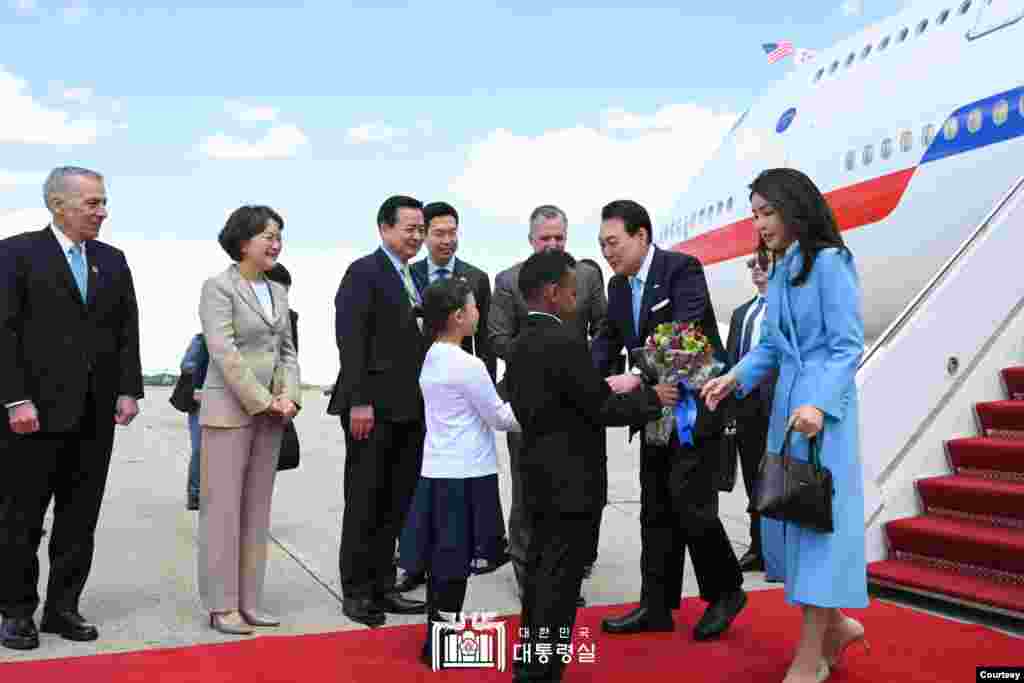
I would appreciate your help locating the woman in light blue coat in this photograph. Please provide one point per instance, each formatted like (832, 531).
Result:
(813, 334)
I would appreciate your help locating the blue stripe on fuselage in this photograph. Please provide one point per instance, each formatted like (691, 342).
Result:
(988, 134)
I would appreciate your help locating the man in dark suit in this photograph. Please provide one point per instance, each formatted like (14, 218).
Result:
(379, 402)
(562, 404)
(679, 498)
(442, 239)
(548, 230)
(753, 411)
(69, 371)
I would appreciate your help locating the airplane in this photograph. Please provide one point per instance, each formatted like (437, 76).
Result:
(912, 128)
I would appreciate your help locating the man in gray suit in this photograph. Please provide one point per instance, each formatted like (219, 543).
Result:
(548, 230)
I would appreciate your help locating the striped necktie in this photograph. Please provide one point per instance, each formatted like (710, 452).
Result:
(410, 287)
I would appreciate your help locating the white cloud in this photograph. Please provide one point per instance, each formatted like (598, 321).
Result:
(169, 316)
(12, 179)
(245, 113)
(80, 95)
(75, 12)
(582, 168)
(425, 127)
(852, 8)
(283, 141)
(27, 121)
(24, 7)
(373, 133)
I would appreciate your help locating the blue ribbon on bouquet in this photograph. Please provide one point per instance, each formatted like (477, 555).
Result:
(686, 415)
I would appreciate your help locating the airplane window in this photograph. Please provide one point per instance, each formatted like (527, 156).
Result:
(903, 35)
(702, 214)
(974, 120)
(850, 58)
(721, 207)
(886, 148)
(835, 65)
(951, 128)
(884, 44)
(927, 135)
(942, 17)
(906, 141)
(1000, 112)
(865, 52)
(728, 204)
(869, 154)
(817, 76)
(851, 159)
(922, 27)
(964, 7)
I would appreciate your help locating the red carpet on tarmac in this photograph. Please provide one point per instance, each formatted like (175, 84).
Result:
(907, 646)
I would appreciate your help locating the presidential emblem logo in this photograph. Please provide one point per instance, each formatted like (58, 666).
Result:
(786, 119)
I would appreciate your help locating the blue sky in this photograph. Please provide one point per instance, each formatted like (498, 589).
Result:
(323, 110)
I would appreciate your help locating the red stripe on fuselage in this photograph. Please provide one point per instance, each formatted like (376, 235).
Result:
(854, 206)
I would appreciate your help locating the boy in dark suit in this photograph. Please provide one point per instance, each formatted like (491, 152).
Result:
(562, 403)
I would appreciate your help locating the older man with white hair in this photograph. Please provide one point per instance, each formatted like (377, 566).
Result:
(69, 372)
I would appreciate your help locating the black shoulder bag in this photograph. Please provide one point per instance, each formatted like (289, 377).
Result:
(795, 491)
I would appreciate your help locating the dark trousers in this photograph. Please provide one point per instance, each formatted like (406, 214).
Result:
(751, 439)
(519, 524)
(380, 477)
(679, 511)
(71, 469)
(561, 545)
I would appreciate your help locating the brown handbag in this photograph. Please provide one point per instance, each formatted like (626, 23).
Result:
(795, 491)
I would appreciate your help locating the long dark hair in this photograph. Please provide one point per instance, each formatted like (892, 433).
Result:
(803, 211)
(440, 300)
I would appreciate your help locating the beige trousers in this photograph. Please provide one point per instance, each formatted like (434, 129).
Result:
(238, 466)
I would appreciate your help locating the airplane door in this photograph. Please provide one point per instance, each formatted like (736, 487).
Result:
(994, 15)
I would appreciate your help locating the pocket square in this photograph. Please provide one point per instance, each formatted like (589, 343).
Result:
(660, 305)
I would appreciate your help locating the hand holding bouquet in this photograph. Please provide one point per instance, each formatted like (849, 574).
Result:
(679, 354)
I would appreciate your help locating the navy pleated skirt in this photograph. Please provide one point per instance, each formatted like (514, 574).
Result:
(450, 523)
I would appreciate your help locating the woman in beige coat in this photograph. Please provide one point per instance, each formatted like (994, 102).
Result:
(251, 391)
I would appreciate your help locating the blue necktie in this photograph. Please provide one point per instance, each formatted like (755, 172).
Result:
(748, 329)
(78, 269)
(442, 273)
(638, 295)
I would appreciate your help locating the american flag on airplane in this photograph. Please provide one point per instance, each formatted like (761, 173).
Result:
(777, 51)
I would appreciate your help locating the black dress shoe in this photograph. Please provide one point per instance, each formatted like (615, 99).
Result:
(718, 617)
(640, 620)
(19, 633)
(410, 582)
(70, 625)
(751, 562)
(394, 603)
(363, 610)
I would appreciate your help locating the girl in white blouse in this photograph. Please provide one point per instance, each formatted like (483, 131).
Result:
(458, 485)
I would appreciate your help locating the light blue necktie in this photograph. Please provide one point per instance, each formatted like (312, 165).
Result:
(638, 295)
(441, 274)
(78, 269)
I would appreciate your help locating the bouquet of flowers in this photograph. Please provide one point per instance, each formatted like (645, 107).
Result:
(679, 354)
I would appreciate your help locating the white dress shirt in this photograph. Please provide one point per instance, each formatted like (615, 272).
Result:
(755, 331)
(66, 244)
(462, 411)
(262, 290)
(432, 269)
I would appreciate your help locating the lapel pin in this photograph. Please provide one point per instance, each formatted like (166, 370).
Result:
(95, 270)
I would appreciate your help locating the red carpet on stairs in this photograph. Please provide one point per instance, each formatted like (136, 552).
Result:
(907, 646)
(967, 545)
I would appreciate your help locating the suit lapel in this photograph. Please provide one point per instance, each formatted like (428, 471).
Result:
(392, 276)
(92, 275)
(245, 291)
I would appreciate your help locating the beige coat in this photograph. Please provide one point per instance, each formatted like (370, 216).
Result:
(252, 357)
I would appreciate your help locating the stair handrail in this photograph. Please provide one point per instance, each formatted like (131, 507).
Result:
(896, 325)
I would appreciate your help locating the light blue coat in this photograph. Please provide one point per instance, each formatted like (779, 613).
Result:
(814, 335)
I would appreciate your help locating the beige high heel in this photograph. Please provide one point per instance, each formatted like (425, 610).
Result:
(254, 618)
(224, 623)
